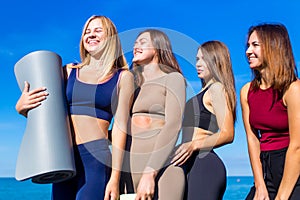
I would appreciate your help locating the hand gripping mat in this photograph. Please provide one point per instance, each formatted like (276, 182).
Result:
(46, 151)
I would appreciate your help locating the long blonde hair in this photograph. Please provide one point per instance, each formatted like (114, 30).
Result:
(112, 56)
(217, 57)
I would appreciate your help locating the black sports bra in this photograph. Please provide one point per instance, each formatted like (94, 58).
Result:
(196, 115)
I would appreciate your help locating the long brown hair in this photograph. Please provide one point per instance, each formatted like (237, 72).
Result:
(217, 57)
(166, 59)
(112, 56)
(277, 55)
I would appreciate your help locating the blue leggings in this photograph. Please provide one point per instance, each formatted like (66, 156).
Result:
(206, 177)
(93, 161)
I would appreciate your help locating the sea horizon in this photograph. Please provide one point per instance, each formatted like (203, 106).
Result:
(11, 189)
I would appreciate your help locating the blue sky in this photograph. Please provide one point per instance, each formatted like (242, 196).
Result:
(54, 25)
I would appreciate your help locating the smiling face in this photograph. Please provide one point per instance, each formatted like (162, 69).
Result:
(202, 69)
(94, 36)
(253, 51)
(143, 50)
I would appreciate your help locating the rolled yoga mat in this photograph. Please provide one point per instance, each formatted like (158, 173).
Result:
(46, 151)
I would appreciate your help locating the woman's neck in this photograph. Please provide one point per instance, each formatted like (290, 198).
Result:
(152, 71)
(95, 70)
(208, 83)
(96, 63)
(265, 79)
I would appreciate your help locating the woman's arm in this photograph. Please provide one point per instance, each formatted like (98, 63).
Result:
(225, 120)
(165, 142)
(253, 146)
(292, 161)
(119, 131)
(174, 108)
(32, 99)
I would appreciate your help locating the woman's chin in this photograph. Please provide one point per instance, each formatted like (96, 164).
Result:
(137, 61)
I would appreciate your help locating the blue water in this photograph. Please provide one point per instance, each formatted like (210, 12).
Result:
(238, 187)
(10, 189)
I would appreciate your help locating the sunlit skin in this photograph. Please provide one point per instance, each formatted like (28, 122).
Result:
(202, 69)
(253, 51)
(88, 128)
(291, 101)
(93, 36)
(253, 54)
(144, 54)
(254, 57)
(143, 50)
(204, 138)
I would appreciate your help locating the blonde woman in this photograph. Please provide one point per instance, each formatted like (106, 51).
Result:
(98, 89)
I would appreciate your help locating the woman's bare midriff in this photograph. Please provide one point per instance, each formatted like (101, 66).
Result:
(145, 122)
(194, 133)
(88, 128)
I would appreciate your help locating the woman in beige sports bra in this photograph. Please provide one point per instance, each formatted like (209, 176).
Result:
(156, 118)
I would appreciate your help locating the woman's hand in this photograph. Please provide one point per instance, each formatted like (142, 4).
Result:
(145, 190)
(30, 99)
(183, 153)
(261, 193)
(112, 190)
(195, 142)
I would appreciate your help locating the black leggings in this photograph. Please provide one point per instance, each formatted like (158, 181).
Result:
(206, 177)
(273, 165)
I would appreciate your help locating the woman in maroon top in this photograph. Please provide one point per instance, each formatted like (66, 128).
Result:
(271, 114)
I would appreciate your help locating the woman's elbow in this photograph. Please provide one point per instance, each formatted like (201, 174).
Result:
(230, 137)
(295, 147)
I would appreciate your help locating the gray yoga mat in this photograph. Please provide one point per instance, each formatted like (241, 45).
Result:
(46, 151)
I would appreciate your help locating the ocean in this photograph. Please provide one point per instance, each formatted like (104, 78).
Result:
(11, 189)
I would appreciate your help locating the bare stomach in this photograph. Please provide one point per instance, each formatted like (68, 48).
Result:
(194, 133)
(88, 128)
(141, 123)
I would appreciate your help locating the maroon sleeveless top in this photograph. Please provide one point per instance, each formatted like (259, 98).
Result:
(268, 117)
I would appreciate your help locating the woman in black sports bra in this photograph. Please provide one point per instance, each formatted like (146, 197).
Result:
(208, 123)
